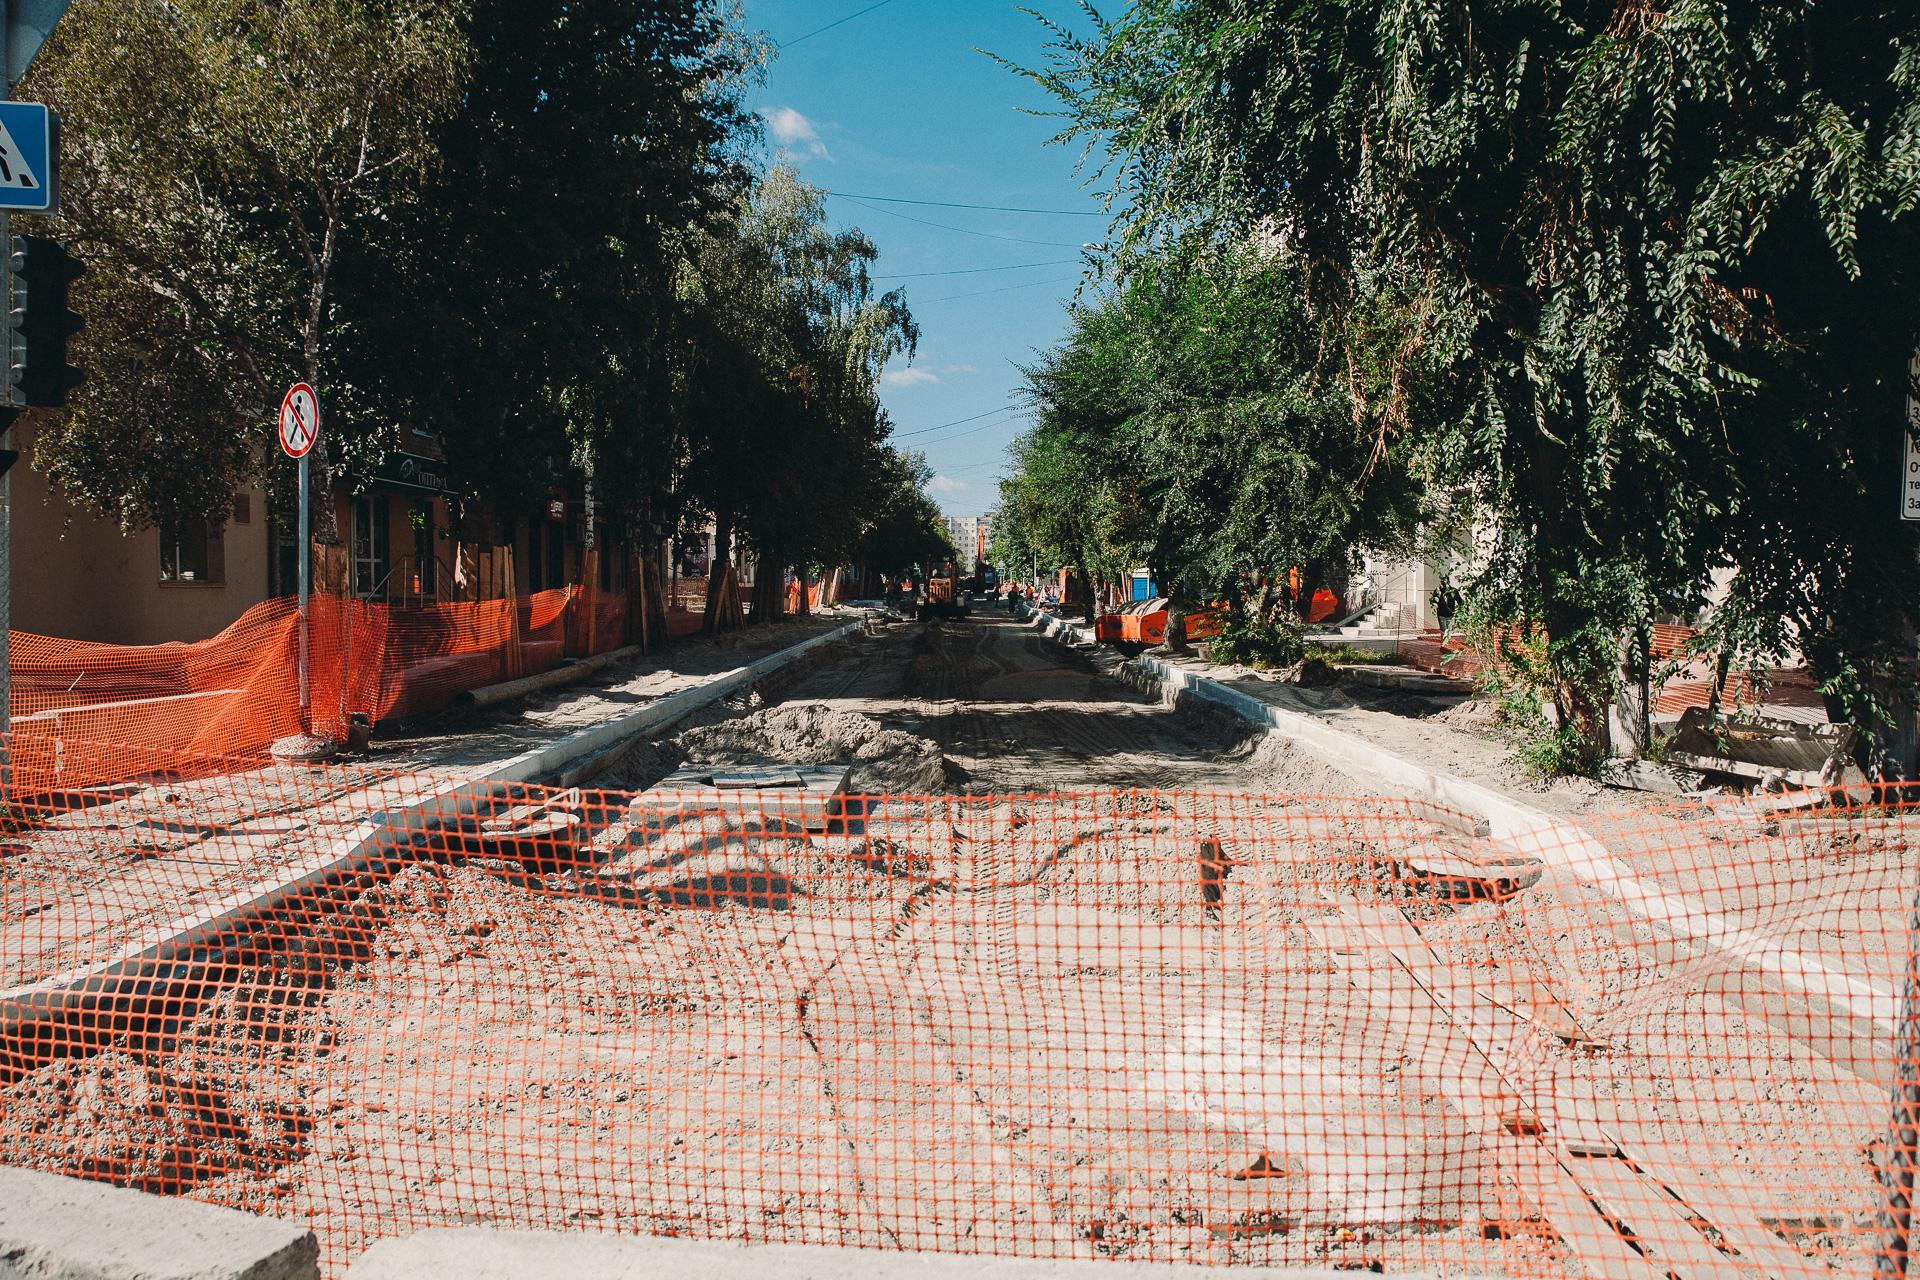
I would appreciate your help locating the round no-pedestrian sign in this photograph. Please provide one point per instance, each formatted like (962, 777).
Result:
(299, 420)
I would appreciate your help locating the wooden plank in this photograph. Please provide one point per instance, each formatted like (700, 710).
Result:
(1457, 872)
(1545, 1180)
(1657, 1221)
(1731, 1212)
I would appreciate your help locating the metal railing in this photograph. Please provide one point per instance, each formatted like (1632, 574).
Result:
(1377, 595)
(406, 584)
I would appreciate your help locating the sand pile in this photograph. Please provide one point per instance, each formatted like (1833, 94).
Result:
(885, 761)
(1278, 766)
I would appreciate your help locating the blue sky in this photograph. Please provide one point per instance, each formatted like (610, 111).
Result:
(895, 102)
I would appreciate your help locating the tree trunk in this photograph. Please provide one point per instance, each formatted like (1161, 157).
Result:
(1633, 705)
(805, 608)
(769, 590)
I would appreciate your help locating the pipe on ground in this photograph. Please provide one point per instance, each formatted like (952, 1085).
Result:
(507, 690)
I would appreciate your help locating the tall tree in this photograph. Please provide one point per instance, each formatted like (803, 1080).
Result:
(1672, 245)
(789, 340)
(220, 157)
(1199, 420)
(538, 329)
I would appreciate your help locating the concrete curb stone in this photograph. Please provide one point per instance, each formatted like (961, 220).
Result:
(58, 1228)
(474, 1253)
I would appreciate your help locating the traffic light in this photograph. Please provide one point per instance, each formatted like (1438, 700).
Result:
(39, 273)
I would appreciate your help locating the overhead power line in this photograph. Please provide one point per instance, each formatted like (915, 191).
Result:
(965, 231)
(985, 426)
(974, 271)
(900, 435)
(955, 204)
(831, 25)
(977, 293)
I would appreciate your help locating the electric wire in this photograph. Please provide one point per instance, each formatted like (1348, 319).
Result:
(831, 25)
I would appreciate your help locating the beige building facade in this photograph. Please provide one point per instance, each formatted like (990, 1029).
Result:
(79, 577)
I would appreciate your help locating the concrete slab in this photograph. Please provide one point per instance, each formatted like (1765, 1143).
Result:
(809, 794)
(471, 1253)
(69, 1229)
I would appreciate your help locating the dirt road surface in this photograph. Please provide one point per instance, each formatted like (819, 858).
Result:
(1119, 1008)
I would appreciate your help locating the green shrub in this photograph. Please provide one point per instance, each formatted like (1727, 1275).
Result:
(1517, 679)
(1259, 642)
(1350, 655)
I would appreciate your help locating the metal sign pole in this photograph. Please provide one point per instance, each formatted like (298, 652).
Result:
(304, 555)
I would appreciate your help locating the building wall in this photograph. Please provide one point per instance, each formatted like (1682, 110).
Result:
(77, 576)
(966, 534)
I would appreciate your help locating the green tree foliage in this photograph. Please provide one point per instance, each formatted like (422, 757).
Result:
(1194, 422)
(904, 528)
(539, 333)
(218, 157)
(781, 394)
(1671, 245)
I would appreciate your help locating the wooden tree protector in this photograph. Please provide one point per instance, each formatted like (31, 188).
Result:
(516, 660)
(1620, 1211)
(582, 616)
(466, 572)
(656, 595)
(638, 613)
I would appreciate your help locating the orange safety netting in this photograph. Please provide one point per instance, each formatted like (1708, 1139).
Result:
(1354, 1032)
(238, 691)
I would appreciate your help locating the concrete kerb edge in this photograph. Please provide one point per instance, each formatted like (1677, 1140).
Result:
(479, 1253)
(1532, 831)
(174, 953)
(55, 1226)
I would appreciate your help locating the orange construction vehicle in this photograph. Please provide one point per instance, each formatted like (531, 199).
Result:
(940, 594)
(1143, 624)
(1140, 624)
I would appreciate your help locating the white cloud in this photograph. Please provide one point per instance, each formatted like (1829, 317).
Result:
(957, 368)
(947, 484)
(907, 377)
(796, 132)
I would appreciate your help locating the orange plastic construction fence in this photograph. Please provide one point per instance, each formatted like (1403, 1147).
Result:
(239, 690)
(1353, 1032)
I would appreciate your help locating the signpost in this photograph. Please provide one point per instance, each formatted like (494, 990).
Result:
(24, 27)
(299, 428)
(1910, 466)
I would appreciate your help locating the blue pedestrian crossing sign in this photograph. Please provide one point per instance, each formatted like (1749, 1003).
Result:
(28, 154)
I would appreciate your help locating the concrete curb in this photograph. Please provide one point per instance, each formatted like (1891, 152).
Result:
(473, 1253)
(34, 1018)
(1532, 831)
(71, 1229)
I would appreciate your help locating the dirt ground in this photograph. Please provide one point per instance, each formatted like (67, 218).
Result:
(110, 867)
(1043, 1023)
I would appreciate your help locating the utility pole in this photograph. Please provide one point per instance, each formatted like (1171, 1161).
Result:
(26, 27)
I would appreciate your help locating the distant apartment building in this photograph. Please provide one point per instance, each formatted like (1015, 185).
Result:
(970, 535)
